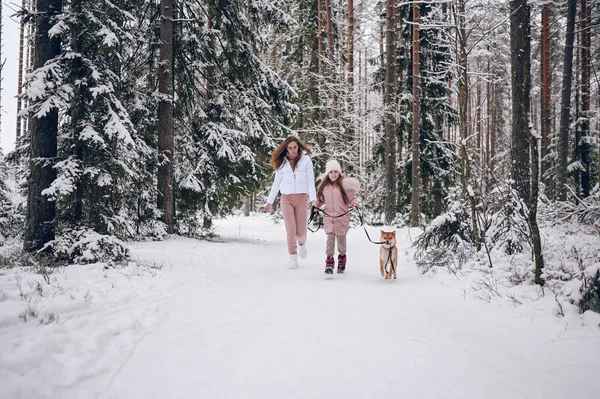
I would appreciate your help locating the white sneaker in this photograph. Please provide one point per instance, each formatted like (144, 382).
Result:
(293, 261)
(302, 251)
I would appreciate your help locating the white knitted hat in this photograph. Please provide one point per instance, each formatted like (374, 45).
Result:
(332, 164)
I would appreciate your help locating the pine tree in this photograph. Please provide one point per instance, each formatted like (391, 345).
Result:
(101, 161)
(389, 116)
(20, 70)
(521, 83)
(224, 140)
(44, 90)
(546, 88)
(585, 60)
(565, 107)
(436, 158)
(166, 191)
(415, 213)
(463, 98)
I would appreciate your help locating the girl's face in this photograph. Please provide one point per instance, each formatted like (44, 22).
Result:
(334, 175)
(292, 149)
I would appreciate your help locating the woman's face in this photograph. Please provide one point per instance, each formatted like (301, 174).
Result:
(292, 149)
(334, 175)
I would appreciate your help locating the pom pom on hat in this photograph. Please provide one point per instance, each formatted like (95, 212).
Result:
(332, 164)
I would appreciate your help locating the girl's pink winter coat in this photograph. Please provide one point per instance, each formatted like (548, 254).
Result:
(334, 205)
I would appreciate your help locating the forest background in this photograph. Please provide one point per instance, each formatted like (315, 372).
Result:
(476, 120)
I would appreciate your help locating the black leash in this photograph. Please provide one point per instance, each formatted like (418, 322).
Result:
(315, 211)
(389, 259)
(362, 223)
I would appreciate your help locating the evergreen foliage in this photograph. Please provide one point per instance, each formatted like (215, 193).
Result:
(243, 106)
(11, 220)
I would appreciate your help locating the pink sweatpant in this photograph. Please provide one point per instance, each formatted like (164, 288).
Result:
(294, 208)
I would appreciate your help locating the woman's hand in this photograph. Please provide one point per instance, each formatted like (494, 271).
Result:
(267, 207)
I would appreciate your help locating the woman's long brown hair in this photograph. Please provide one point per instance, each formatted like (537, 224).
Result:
(281, 152)
(327, 181)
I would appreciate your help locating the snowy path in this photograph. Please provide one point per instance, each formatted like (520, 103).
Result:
(243, 326)
(229, 320)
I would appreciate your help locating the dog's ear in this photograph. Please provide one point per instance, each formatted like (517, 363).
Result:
(382, 232)
(394, 233)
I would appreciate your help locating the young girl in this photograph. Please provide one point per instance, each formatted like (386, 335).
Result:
(337, 193)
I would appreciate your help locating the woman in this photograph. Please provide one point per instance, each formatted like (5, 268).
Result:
(294, 177)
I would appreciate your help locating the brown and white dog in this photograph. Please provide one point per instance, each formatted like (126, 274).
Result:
(386, 261)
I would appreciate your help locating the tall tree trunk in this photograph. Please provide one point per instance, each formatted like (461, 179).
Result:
(320, 68)
(313, 84)
(247, 206)
(546, 89)
(463, 109)
(415, 209)
(576, 154)
(31, 33)
(478, 114)
(396, 30)
(351, 43)
(450, 136)
(521, 133)
(20, 74)
(488, 133)
(478, 133)
(565, 109)
(469, 116)
(369, 145)
(585, 97)
(493, 130)
(329, 22)
(331, 70)
(521, 83)
(535, 231)
(389, 117)
(151, 75)
(350, 128)
(320, 47)
(397, 78)
(534, 143)
(29, 64)
(382, 38)
(485, 162)
(78, 110)
(165, 201)
(41, 211)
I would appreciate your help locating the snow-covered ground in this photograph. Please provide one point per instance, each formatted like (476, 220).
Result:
(227, 319)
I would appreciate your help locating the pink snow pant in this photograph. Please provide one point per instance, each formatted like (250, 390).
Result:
(295, 212)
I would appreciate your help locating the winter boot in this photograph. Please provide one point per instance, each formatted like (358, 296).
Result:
(293, 262)
(302, 251)
(341, 264)
(329, 265)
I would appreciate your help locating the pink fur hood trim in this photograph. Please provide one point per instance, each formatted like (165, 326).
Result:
(351, 184)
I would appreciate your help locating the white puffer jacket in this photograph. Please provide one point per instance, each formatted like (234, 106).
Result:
(299, 181)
